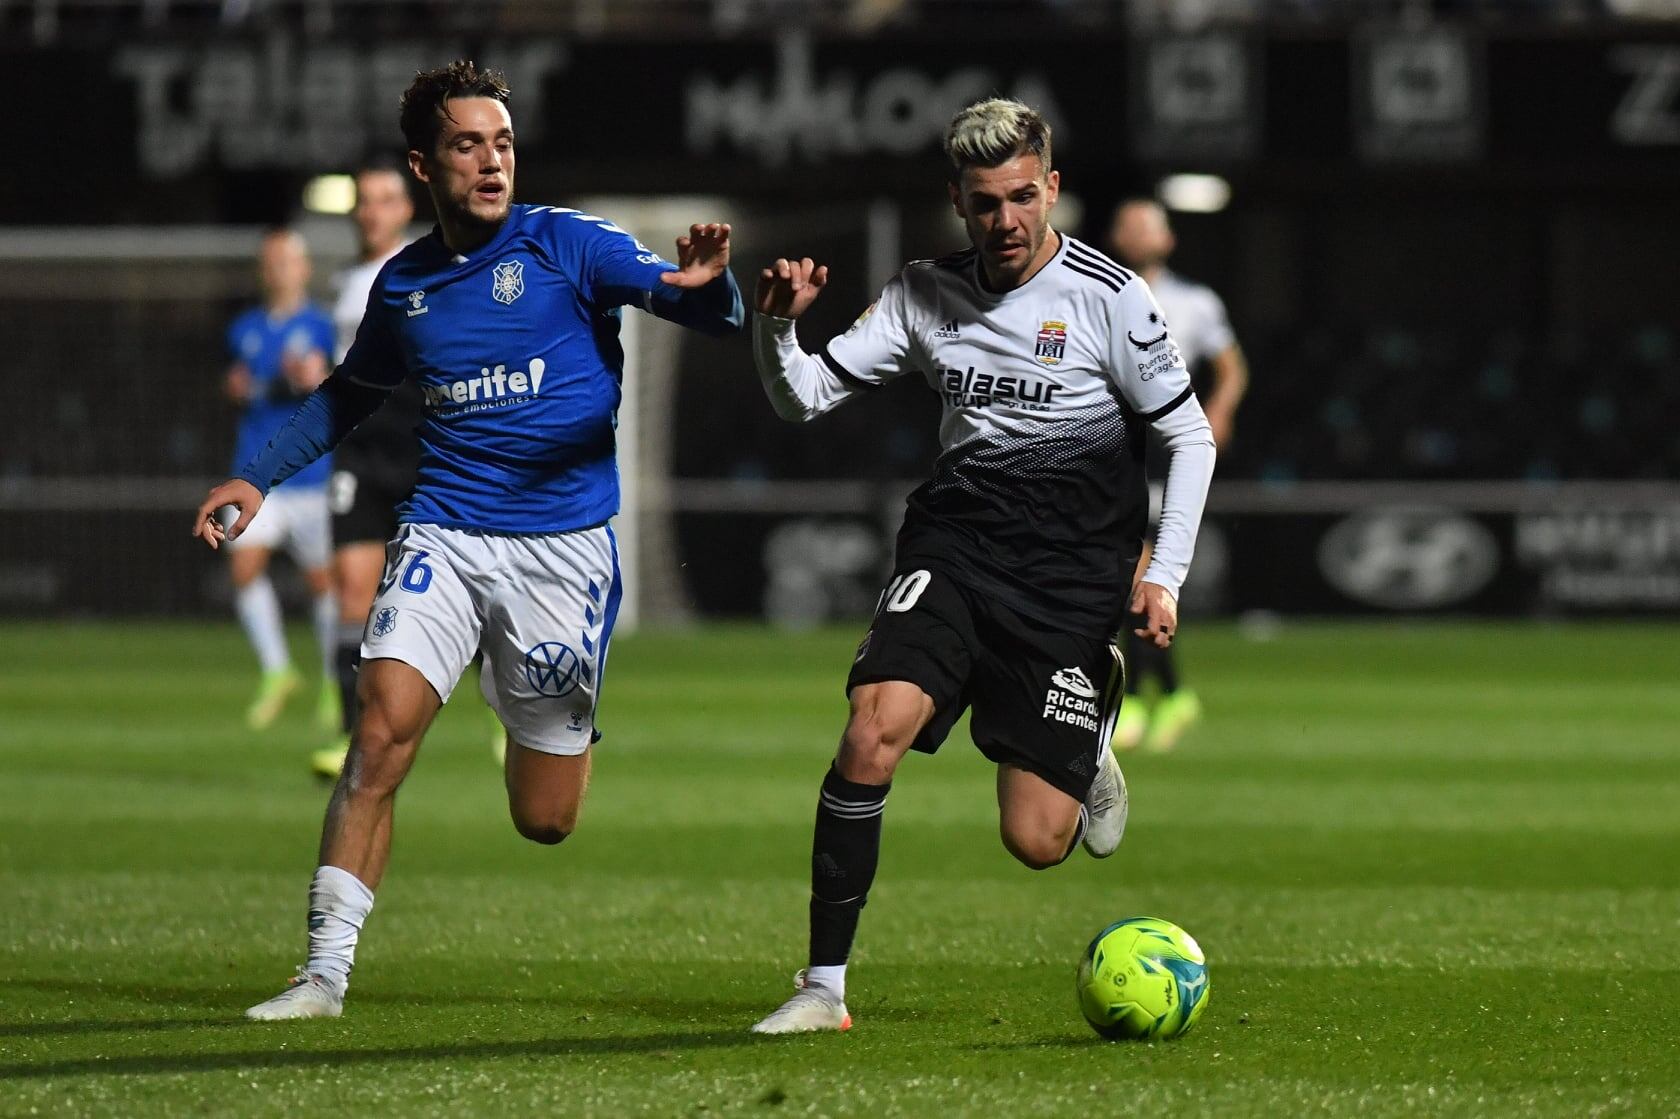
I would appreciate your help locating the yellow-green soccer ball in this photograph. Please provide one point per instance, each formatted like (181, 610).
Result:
(1143, 978)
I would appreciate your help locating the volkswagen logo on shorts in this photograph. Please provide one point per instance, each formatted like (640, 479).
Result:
(552, 668)
(1409, 559)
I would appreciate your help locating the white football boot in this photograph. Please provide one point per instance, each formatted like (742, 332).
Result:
(1105, 808)
(305, 996)
(810, 1009)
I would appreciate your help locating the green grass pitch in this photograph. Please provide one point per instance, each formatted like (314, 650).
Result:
(1435, 868)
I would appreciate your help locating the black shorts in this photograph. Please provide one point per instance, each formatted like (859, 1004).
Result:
(364, 505)
(1043, 699)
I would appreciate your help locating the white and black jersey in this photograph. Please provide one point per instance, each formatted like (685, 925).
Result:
(382, 452)
(1197, 314)
(1039, 496)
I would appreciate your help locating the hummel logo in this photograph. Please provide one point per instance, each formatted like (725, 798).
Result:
(949, 330)
(415, 298)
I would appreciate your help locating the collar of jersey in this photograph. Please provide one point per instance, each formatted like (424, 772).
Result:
(489, 248)
(1000, 296)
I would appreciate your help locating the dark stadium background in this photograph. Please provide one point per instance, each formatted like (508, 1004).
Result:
(1451, 251)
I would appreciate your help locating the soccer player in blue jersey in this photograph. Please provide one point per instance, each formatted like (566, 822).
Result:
(278, 351)
(507, 317)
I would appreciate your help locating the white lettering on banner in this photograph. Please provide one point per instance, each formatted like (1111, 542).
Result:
(279, 103)
(1603, 557)
(1649, 112)
(899, 111)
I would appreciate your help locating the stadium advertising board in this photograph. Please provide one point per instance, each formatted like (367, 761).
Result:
(1443, 556)
(755, 116)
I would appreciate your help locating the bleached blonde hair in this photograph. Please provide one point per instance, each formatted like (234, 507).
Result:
(995, 131)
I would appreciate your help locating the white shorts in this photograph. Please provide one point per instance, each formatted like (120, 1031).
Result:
(294, 519)
(541, 608)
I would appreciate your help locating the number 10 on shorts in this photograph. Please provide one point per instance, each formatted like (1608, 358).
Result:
(901, 594)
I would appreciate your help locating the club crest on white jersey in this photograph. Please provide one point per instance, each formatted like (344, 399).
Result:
(1051, 346)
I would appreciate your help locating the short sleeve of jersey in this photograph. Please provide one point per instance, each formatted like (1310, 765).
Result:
(374, 359)
(876, 348)
(1144, 357)
(1215, 327)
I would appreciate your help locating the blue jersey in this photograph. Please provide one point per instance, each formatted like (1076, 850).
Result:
(260, 342)
(515, 349)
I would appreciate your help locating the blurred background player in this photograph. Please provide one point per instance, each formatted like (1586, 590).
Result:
(280, 351)
(1142, 239)
(374, 467)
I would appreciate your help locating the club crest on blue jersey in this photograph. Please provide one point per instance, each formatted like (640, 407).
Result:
(1052, 343)
(508, 281)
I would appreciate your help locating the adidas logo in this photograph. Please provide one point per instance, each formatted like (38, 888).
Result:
(949, 330)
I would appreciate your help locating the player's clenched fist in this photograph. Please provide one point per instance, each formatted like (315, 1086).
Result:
(240, 494)
(788, 287)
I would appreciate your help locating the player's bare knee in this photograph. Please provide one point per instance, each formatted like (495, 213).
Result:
(547, 834)
(378, 759)
(870, 749)
(547, 828)
(1037, 848)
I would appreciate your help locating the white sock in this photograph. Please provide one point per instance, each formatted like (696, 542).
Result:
(326, 631)
(259, 612)
(831, 977)
(338, 904)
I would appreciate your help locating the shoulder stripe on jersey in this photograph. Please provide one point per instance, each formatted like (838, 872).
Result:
(1111, 285)
(960, 259)
(845, 374)
(1167, 408)
(1098, 261)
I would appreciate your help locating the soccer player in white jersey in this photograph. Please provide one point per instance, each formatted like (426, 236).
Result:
(374, 467)
(1142, 238)
(1014, 565)
(279, 352)
(507, 316)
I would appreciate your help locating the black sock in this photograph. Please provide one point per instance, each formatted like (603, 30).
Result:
(347, 658)
(1137, 657)
(1166, 667)
(1144, 658)
(845, 848)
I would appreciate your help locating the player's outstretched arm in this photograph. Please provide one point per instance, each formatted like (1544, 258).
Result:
(329, 414)
(787, 288)
(803, 386)
(702, 256)
(700, 293)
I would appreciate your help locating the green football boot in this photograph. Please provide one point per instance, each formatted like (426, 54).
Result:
(1175, 713)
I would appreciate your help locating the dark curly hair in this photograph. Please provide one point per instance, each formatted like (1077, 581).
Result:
(425, 103)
